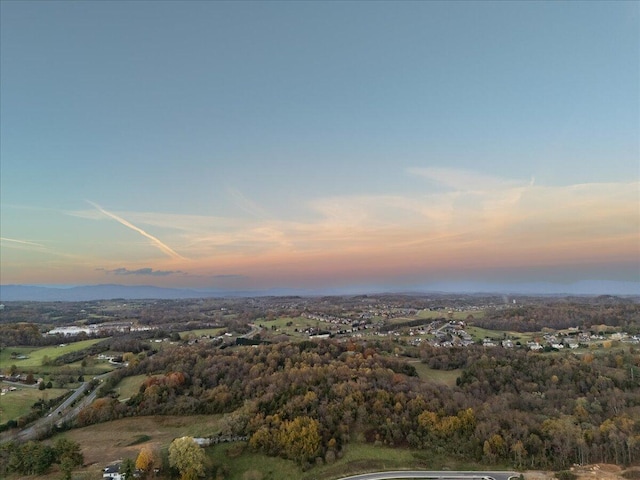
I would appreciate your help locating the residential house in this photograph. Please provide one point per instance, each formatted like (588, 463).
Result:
(112, 472)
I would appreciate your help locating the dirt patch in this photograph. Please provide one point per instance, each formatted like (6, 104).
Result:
(586, 472)
(106, 443)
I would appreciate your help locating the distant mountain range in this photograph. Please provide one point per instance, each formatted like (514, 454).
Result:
(10, 293)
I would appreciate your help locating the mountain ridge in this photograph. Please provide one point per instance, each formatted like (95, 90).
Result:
(13, 292)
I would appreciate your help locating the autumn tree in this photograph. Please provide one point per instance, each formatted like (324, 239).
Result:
(148, 460)
(187, 457)
(300, 438)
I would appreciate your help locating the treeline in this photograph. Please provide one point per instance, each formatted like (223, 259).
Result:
(306, 401)
(29, 334)
(561, 315)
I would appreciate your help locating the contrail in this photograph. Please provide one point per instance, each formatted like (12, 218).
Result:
(23, 242)
(165, 248)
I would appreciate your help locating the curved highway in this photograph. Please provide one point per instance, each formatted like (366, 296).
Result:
(433, 475)
(62, 413)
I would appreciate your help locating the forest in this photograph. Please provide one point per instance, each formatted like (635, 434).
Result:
(306, 400)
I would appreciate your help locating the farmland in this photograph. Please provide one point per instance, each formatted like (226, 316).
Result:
(16, 403)
(37, 355)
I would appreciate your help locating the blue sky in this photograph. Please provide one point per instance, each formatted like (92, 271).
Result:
(318, 144)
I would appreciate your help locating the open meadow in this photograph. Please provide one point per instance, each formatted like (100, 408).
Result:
(214, 332)
(291, 326)
(14, 404)
(441, 377)
(129, 386)
(106, 443)
(37, 355)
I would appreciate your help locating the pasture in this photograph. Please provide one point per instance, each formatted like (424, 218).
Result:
(36, 355)
(129, 386)
(214, 332)
(357, 458)
(441, 377)
(479, 333)
(107, 442)
(299, 323)
(455, 315)
(15, 404)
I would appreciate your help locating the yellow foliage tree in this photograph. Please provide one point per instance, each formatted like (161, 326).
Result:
(187, 457)
(300, 438)
(148, 459)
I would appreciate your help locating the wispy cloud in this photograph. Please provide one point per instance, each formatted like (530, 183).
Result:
(21, 242)
(465, 180)
(142, 271)
(458, 220)
(246, 204)
(162, 246)
(472, 211)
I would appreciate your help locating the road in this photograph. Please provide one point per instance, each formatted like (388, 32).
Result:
(434, 475)
(60, 414)
(254, 330)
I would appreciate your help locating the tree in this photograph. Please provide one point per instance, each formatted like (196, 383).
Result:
(148, 459)
(187, 457)
(300, 439)
(68, 454)
(66, 465)
(127, 468)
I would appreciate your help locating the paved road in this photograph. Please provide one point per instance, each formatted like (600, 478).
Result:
(254, 330)
(434, 475)
(60, 414)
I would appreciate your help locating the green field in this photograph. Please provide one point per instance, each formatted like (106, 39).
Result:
(479, 333)
(200, 332)
(434, 314)
(129, 386)
(36, 355)
(299, 323)
(358, 458)
(15, 404)
(442, 377)
(271, 467)
(429, 315)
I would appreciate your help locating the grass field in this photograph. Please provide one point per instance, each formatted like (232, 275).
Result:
(442, 377)
(299, 323)
(37, 354)
(129, 386)
(271, 467)
(203, 331)
(445, 314)
(358, 458)
(429, 315)
(15, 404)
(479, 333)
(106, 443)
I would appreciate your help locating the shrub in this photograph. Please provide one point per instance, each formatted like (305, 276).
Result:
(566, 475)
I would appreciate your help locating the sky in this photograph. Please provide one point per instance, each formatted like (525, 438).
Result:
(316, 145)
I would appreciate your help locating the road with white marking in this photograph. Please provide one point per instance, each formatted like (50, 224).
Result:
(433, 475)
